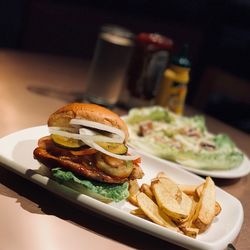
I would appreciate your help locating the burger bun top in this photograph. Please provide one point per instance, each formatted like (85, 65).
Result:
(86, 111)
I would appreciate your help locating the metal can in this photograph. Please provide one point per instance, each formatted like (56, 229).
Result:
(150, 59)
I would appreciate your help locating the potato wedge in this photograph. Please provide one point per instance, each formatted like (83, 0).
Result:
(153, 212)
(217, 208)
(145, 188)
(138, 212)
(186, 209)
(161, 174)
(205, 211)
(133, 189)
(176, 204)
(187, 226)
(188, 189)
(198, 191)
(188, 223)
(190, 231)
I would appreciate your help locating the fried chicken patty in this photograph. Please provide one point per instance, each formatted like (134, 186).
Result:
(53, 156)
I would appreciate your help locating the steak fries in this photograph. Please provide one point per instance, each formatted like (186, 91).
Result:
(187, 209)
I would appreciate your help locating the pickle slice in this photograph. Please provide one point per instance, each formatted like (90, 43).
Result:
(116, 148)
(66, 142)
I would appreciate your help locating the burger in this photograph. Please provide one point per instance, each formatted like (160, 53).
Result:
(86, 150)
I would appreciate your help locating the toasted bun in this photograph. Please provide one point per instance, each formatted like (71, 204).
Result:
(87, 111)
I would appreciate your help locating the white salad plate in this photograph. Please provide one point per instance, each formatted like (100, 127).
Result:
(16, 154)
(240, 171)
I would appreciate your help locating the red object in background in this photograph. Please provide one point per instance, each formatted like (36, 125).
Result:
(150, 58)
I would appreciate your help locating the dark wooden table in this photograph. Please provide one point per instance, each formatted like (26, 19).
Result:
(32, 86)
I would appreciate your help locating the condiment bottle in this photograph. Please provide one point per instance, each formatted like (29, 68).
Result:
(151, 57)
(173, 88)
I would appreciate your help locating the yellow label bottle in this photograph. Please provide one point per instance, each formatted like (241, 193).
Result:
(173, 88)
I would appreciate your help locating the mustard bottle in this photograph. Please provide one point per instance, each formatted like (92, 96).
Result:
(173, 88)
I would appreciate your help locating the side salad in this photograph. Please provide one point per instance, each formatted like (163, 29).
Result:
(181, 139)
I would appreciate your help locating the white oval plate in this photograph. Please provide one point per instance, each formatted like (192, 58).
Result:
(242, 170)
(16, 154)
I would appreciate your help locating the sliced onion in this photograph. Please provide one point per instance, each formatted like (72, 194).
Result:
(91, 140)
(65, 134)
(83, 137)
(98, 137)
(86, 131)
(68, 129)
(99, 126)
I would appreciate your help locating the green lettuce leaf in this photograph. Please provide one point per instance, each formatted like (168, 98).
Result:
(154, 113)
(168, 139)
(217, 160)
(223, 142)
(210, 161)
(102, 191)
(199, 122)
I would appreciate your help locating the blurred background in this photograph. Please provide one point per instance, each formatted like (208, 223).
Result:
(218, 33)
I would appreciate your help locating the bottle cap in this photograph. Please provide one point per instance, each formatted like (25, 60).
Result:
(181, 58)
(155, 39)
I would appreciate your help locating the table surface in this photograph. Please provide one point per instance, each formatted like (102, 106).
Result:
(32, 86)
